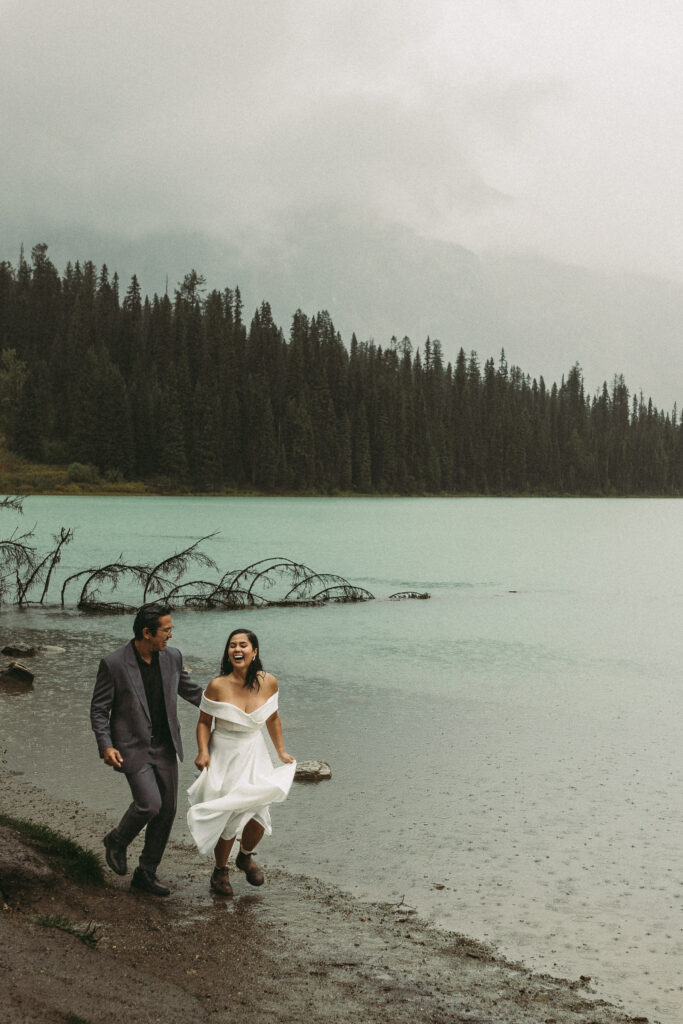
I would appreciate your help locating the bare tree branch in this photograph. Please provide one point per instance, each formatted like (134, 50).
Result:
(178, 564)
(13, 502)
(43, 570)
(17, 557)
(110, 574)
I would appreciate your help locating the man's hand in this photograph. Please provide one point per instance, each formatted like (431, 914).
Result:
(112, 757)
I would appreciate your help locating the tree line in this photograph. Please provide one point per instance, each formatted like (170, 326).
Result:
(183, 393)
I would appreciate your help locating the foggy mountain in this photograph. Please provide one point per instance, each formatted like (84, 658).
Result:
(382, 280)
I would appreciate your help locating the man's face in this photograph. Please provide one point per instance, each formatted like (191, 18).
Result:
(163, 634)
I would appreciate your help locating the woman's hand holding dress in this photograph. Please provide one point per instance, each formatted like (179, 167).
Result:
(203, 735)
(202, 760)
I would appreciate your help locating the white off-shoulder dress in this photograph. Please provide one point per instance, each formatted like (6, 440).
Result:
(240, 782)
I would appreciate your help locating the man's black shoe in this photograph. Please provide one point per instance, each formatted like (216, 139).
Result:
(147, 881)
(115, 854)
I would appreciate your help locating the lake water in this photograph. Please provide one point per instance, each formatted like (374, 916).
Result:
(506, 756)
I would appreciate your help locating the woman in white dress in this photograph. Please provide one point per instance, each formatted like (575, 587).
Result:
(238, 782)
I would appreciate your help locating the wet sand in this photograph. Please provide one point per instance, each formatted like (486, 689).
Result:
(295, 949)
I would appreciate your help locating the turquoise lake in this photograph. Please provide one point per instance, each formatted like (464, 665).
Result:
(506, 756)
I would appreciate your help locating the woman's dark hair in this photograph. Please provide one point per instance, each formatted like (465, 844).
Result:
(252, 681)
(148, 618)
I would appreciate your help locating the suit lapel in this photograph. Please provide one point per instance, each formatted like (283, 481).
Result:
(133, 670)
(166, 681)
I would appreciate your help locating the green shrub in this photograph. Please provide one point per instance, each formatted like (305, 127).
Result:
(79, 473)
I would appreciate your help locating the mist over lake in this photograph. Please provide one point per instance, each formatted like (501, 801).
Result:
(505, 755)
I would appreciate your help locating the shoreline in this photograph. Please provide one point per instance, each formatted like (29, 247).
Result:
(148, 491)
(296, 948)
(24, 479)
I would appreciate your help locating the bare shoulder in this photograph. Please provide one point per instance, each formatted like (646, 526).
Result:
(269, 684)
(215, 688)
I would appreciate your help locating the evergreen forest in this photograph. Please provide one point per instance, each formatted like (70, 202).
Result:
(185, 393)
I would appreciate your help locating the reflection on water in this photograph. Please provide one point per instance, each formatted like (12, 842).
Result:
(505, 761)
(199, 900)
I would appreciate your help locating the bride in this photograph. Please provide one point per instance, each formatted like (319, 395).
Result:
(238, 782)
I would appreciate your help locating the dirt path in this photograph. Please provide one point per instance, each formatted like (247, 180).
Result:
(295, 950)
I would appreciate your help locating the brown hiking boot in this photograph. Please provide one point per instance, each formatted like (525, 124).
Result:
(220, 881)
(245, 862)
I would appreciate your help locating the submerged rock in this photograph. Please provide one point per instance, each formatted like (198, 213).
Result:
(19, 671)
(19, 651)
(10, 685)
(16, 678)
(312, 771)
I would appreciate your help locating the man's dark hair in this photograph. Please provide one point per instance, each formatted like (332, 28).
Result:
(148, 618)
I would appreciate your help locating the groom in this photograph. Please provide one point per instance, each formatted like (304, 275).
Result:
(135, 720)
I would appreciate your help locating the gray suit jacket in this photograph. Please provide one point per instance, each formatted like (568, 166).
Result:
(119, 712)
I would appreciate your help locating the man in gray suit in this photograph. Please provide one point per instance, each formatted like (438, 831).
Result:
(134, 717)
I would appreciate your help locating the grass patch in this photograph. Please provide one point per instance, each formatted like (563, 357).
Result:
(20, 476)
(78, 864)
(88, 935)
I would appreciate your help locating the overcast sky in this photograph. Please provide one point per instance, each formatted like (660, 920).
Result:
(544, 127)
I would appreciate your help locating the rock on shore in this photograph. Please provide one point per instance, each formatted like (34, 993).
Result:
(312, 771)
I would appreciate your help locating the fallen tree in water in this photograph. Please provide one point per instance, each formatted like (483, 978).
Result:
(41, 571)
(21, 563)
(276, 581)
(270, 582)
(288, 583)
(96, 578)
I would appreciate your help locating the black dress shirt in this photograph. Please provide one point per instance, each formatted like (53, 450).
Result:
(154, 691)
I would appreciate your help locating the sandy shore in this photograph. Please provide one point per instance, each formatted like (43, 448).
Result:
(295, 949)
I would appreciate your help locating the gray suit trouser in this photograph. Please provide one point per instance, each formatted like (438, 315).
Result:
(155, 797)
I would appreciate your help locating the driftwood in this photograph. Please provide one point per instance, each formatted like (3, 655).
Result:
(409, 595)
(107, 608)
